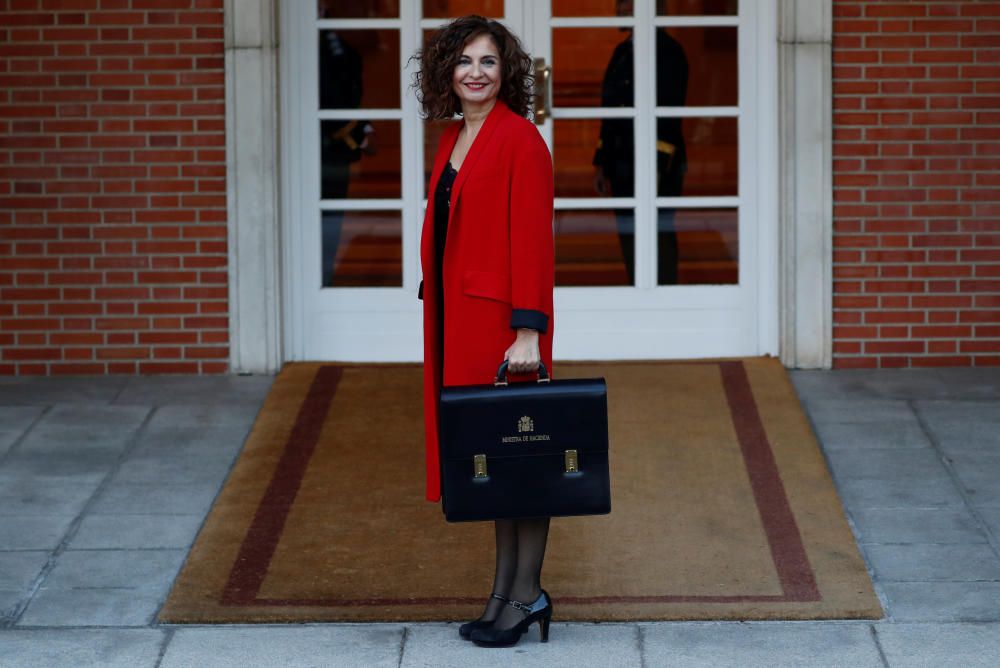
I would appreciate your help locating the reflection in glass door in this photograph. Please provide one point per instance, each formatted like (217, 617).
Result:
(360, 144)
(655, 222)
(695, 145)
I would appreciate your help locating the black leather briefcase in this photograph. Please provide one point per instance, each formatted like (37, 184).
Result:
(526, 449)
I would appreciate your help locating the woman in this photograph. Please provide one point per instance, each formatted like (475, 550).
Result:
(488, 291)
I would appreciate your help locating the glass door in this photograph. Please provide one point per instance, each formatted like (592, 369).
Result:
(650, 120)
(650, 115)
(356, 172)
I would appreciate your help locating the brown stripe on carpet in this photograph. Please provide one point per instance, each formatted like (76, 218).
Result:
(713, 493)
(261, 540)
(790, 560)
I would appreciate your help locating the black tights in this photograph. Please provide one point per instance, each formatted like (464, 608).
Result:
(520, 551)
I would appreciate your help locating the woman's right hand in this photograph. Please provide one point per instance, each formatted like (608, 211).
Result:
(523, 355)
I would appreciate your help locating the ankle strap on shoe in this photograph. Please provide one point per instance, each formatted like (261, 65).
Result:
(529, 608)
(517, 605)
(499, 597)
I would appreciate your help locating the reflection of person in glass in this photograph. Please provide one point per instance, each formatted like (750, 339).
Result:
(487, 253)
(342, 142)
(614, 166)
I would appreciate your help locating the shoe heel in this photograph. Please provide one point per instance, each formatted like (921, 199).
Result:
(543, 628)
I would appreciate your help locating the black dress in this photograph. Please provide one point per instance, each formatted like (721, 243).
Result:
(442, 204)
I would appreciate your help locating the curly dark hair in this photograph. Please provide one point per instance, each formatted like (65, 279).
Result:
(433, 81)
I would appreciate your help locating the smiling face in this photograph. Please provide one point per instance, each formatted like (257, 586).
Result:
(476, 80)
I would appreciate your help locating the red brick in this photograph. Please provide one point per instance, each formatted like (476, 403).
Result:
(123, 353)
(979, 316)
(206, 322)
(980, 346)
(841, 333)
(942, 286)
(165, 307)
(855, 362)
(840, 301)
(885, 102)
(883, 317)
(890, 347)
(168, 367)
(908, 72)
(126, 368)
(30, 353)
(936, 270)
(130, 324)
(980, 286)
(895, 10)
(988, 331)
(903, 286)
(193, 352)
(214, 337)
(895, 41)
(77, 369)
(941, 332)
(940, 361)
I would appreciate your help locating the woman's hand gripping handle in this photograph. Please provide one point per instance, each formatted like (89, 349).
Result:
(523, 355)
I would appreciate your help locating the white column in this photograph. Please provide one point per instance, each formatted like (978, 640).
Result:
(806, 181)
(252, 186)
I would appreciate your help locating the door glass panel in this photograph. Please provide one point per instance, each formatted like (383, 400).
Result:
(705, 164)
(445, 9)
(695, 7)
(594, 247)
(698, 246)
(358, 9)
(362, 248)
(592, 67)
(359, 68)
(626, 7)
(584, 146)
(360, 159)
(592, 7)
(696, 67)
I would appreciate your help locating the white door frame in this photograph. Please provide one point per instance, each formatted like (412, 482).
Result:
(805, 241)
(263, 310)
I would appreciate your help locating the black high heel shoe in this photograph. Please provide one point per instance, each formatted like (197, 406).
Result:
(540, 611)
(465, 630)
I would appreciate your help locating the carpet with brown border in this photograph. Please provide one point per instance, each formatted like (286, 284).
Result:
(722, 508)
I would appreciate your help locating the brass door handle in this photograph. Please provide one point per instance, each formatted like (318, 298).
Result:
(543, 77)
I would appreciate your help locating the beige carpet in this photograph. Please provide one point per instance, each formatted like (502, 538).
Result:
(722, 508)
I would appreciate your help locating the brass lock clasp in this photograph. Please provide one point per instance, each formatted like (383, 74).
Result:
(479, 467)
(572, 462)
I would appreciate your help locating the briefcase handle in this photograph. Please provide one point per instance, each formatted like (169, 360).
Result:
(501, 379)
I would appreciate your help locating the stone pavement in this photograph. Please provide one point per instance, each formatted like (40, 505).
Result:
(104, 483)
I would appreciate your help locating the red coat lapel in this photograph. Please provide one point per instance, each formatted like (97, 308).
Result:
(445, 146)
(476, 150)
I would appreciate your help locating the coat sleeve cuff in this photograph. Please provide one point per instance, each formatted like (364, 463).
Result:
(529, 318)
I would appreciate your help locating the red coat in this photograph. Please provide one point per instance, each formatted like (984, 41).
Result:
(499, 261)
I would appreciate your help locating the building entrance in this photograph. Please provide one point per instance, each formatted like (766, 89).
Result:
(652, 110)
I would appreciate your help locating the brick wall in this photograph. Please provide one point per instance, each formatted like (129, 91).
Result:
(112, 187)
(916, 183)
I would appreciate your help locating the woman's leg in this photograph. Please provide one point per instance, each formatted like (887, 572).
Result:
(503, 577)
(532, 536)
